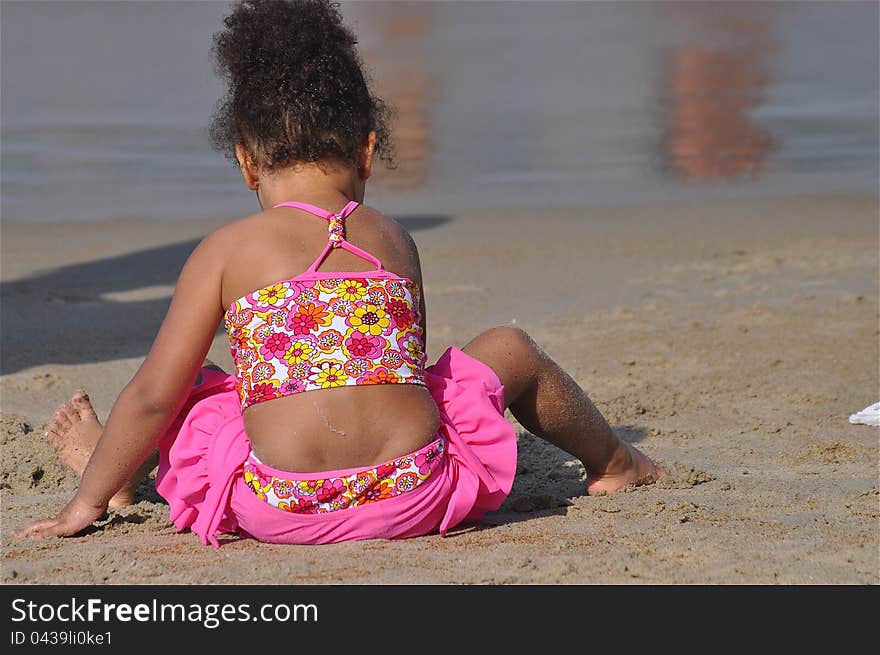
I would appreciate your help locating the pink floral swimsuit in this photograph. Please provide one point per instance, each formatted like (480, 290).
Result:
(323, 330)
(307, 495)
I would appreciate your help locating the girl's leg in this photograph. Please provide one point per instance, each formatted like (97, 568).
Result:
(74, 432)
(549, 404)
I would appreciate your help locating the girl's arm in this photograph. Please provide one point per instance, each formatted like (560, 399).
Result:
(152, 399)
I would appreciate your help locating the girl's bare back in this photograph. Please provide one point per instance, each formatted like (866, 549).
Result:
(341, 427)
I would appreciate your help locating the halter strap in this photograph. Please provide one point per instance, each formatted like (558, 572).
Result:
(335, 230)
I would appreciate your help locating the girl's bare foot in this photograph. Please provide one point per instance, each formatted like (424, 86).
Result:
(628, 467)
(74, 432)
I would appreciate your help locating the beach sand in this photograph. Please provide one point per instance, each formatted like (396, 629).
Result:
(729, 340)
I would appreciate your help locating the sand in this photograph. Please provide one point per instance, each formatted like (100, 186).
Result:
(729, 340)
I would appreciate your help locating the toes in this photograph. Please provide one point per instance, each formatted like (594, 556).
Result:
(83, 406)
(53, 434)
(53, 430)
(70, 413)
(34, 529)
(62, 419)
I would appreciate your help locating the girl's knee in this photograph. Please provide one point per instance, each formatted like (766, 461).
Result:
(512, 339)
(512, 354)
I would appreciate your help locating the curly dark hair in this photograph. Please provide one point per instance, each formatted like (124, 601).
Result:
(297, 90)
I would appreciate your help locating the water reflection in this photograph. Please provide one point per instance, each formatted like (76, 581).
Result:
(712, 87)
(501, 104)
(401, 78)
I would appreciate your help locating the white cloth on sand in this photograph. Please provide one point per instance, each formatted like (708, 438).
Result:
(868, 416)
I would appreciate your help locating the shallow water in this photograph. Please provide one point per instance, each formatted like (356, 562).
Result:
(105, 105)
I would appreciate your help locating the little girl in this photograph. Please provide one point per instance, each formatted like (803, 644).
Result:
(332, 427)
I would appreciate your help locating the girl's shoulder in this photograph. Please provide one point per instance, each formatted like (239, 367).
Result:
(391, 231)
(373, 219)
(231, 236)
(229, 232)
(234, 229)
(366, 225)
(218, 247)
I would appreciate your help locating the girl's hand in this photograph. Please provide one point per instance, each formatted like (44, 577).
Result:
(74, 518)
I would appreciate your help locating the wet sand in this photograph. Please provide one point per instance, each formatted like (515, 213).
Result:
(730, 341)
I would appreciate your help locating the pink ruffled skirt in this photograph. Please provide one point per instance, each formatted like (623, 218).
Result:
(203, 455)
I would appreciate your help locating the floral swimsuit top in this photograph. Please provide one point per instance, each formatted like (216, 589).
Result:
(321, 330)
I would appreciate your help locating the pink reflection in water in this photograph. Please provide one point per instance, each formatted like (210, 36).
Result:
(708, 132)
